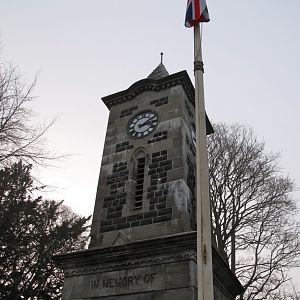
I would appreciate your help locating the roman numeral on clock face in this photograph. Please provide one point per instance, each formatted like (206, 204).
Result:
(142, 124)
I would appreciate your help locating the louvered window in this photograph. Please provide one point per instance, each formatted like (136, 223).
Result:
(139, 188)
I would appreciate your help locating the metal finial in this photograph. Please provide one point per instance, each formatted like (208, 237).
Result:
(161, 57)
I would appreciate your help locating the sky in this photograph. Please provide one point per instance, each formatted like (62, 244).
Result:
(82, 50)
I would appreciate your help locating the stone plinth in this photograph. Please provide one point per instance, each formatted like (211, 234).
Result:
(154, 269)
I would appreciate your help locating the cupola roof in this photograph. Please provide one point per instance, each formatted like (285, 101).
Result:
(160, 71)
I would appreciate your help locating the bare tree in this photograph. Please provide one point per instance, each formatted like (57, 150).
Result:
(253, 211)
(19, 139)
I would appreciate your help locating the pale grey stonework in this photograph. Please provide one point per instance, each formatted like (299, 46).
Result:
(143, 240)
(151, 269)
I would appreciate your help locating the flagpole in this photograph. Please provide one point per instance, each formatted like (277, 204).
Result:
(204, 251)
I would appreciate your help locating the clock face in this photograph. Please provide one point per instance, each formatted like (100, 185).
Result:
(142, 124)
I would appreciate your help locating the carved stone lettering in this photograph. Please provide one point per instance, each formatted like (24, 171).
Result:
(121, 282)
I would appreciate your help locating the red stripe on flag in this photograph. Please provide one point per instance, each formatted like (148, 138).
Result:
(197, 9)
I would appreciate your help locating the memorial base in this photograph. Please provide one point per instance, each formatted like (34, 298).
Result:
(155, 269)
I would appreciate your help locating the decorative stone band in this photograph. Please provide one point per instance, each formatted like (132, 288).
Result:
(199, 66)
(134, 263)
(141, 253)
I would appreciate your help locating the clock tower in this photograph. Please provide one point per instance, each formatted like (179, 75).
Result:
(143, 239)
(146, 186)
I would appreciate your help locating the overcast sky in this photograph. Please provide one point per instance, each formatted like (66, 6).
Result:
(84, 50)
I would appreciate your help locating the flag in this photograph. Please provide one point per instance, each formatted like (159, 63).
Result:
(196, 12)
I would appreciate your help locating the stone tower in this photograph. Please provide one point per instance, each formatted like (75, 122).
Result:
(143, 240)
(147, 178)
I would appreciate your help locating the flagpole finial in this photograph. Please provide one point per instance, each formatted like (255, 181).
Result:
(161, 57)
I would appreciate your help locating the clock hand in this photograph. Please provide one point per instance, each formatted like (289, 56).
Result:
(145, 123)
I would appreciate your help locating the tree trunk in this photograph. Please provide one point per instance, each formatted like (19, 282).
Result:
(232, 264)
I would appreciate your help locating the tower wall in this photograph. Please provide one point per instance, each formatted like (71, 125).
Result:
(167, 196)
(143, 238)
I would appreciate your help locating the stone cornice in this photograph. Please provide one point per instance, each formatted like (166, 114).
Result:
(180, 78)
(221, 271)
(133, 263)
(135, 250)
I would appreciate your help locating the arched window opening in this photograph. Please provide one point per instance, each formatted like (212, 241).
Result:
(140, 178)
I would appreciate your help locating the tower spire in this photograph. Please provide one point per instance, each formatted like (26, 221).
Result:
(160, 71)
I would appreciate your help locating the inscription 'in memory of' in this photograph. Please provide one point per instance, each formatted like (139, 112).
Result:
(125, 281)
